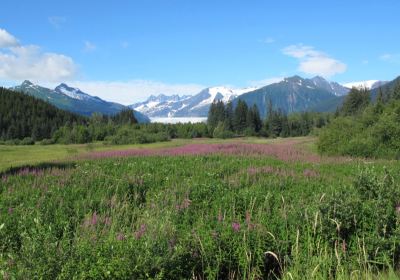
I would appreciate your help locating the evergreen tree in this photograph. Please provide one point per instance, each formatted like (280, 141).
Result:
(253, 119)
(396, 91)
(212, 119)
(126, 116)
(23, 116)
(216, 114)
(229, 116)
(240, 117)
(380, 101)
(355, 101)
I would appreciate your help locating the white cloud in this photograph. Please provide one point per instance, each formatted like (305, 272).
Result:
(7, 40)
(57, 21)
(134, 91)
(19, 62)
(266, 81)
(89, 46)
(390, 57)
(315, 62)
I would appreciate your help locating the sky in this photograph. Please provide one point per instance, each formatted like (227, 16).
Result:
(123, 51)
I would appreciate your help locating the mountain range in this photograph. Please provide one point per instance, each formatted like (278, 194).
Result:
(293, 94)
(74, 100)
(187, 106)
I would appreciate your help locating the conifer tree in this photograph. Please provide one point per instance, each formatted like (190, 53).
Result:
(229, 116)
(240, 117)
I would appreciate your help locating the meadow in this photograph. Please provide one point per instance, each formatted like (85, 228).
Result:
(197, 209)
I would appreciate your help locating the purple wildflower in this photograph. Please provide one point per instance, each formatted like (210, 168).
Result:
(248, 217)
(310, 173)
(235, 226)
(120, 236)
(93, 221)
(185, 204)
(139, 233)
(107, 221)
(10, 210)
(252, 170)
(397, 208)
(220, 217)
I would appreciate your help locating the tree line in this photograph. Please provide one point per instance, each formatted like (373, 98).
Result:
(364, 126)
(23, 116)
(225, 121)
(25, 120)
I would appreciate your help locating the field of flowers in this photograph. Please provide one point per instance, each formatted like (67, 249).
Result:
(201, 211)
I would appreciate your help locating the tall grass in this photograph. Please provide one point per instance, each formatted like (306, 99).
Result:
(201, 217)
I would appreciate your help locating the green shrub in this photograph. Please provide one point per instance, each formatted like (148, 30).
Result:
(13, 142)
(47, 142)
(369, 134)
(27, 141)
(130, 135)
(221, 132)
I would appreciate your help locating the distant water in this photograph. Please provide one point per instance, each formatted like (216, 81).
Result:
(178, 120)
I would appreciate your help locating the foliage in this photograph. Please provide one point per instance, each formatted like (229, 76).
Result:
(355, 101)
(126, 133)
(278, 124)
(25, 116)
(371, 131)
(201, 217)
(129, 135)
(222, 132)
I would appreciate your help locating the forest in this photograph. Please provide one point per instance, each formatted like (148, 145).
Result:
(28, 120)
(23, 116)
(365, 125)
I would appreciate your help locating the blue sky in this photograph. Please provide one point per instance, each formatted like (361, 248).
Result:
(125, 50)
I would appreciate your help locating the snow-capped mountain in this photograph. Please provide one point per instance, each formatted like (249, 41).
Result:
(336, 88)
(295, 94)
(187, 106)
(369, 84)
(74, 100)
(75, 93)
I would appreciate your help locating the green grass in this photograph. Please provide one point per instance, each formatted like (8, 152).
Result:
(15, 156)
(202, 217)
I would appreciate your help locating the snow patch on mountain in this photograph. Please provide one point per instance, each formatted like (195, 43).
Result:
(193, 106)
(75, 93)
(369, 84)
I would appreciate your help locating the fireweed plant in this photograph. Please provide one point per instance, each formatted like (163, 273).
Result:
(202, 212)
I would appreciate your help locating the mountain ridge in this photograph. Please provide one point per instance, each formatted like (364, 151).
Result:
(74, 100)
(198, 104)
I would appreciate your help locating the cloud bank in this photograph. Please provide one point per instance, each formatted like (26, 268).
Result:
(22, 62)
(7, 40)
(314, 62)
(135, 90)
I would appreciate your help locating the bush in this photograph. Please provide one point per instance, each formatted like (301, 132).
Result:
(27, 141)
(130, 135)
(221, 132)
(370, 134)
(47, 142)
(12, 142)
